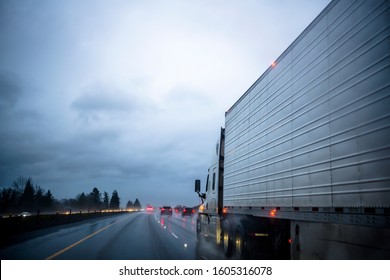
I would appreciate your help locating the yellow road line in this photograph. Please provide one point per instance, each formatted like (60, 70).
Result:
(78, 242)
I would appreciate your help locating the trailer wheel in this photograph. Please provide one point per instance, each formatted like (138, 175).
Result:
(227, 239)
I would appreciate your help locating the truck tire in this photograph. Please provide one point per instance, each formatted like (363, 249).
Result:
(227, 239)
(240, 243)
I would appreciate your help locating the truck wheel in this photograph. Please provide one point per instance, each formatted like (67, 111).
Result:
(240, 243)
(218, 233)
(227, 239)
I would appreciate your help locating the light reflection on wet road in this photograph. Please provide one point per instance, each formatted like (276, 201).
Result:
(141, 236)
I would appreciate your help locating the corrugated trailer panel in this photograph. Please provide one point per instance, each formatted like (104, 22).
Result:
(314, 130)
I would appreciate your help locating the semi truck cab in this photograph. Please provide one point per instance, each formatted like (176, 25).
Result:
(208, 222)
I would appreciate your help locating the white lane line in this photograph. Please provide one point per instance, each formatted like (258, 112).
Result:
(175, 235)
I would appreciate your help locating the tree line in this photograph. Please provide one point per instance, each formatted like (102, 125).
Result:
(23, 195)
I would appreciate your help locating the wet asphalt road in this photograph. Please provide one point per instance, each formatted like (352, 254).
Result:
(140, 236)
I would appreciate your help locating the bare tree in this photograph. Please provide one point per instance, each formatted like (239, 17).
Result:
(19, 184)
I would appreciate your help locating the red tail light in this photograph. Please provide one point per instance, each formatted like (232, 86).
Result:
(272, 213)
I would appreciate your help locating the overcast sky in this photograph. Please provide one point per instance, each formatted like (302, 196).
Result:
(130, 95)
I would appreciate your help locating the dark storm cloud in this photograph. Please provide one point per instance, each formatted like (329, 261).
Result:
(97, 101)
(101, 99)
(10, 91)
(23, 143)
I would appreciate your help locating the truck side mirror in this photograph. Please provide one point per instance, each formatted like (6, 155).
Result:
(197, 186)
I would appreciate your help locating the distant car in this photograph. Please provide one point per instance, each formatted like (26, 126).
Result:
(166, 210)
(24, 214)
(178, 209)
(188, 211)
(149, 208)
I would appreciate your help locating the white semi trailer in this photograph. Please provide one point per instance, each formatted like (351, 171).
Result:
(302, 168)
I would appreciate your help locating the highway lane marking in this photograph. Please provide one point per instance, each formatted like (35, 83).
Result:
(80, 241)
(185, 245)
